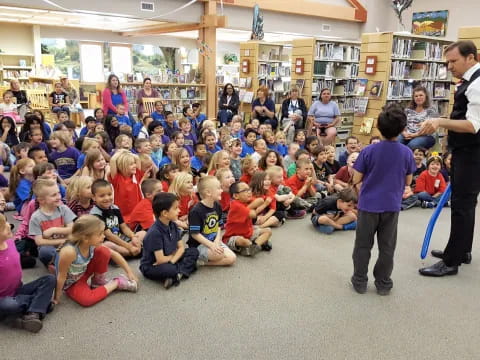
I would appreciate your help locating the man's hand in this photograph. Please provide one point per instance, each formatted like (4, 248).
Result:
(429, 127)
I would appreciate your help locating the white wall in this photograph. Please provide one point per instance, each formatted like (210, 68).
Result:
(16, 39)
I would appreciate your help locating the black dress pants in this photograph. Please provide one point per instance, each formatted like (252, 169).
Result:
(465, 182)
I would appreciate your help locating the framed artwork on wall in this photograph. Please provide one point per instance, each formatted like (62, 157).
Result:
(431, 23)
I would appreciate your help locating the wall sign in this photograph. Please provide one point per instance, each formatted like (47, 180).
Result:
(299, 66)
(371, 65)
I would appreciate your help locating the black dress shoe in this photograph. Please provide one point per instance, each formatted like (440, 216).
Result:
(439, 269)
(439, 254)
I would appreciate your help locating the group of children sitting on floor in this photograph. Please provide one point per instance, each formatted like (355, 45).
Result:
(83, 203)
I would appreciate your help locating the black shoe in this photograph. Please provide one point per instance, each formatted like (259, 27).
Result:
(439, 254)
(439, 269)
(359, 288)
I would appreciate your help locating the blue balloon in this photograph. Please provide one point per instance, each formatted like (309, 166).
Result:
(433, 220)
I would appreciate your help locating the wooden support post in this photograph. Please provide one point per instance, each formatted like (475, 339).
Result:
(208, 62)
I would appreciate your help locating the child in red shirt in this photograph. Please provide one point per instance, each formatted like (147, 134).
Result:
(141, 218)
(182, 186)
(269, 216)
(220, 160)
(344, 176)
(249, 167)
(240, 235)
(166, 175)
(431, 183)
(302, 185)
(225, 176)
(126, 177)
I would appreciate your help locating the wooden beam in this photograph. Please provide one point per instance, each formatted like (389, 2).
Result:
(356, 13)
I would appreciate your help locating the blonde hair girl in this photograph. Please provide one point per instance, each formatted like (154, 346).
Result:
(220, 160)
(79, 195)
(95, 165)
(20, 184)
(181, 158)
(182, 186)
(84, 257)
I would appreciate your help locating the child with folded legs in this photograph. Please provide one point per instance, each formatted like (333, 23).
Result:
(165, 257)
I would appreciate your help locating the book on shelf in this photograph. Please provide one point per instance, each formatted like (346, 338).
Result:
(191, 94)
(278, 85)
(361, 104)
(360, 87)
(248, 83)
(339, 90)
(243, 82)
(366, 126)
(166, 94)
(248, 97)
(167, 107)
(261, 82)
(323, 68)
(183, 94)
(346, 105)
(376, 89)
(401, 48)
(441, 90)
(300, 83)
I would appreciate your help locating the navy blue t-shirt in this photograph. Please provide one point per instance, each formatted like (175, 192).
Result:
(66, 161)
(159, 237)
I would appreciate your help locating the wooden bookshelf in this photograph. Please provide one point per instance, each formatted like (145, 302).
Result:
(342, 61)
(15, 66)
(263, 57)
(428, 70)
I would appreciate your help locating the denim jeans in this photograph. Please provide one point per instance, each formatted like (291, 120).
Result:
(426, 142)
(46, 254)
(65, 108)
(224, 116)
(425, 196)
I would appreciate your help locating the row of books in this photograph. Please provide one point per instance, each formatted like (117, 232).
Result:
(187, 93)
(16, 74)
(346, 105)
(417, 49)
(404, 89)
(415, 70)
(330, 51)
(337, 70)
(245, 82)
(272, 54)
(273, 70)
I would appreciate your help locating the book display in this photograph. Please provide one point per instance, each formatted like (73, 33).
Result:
(333, 65)
(15, 66)
(263, 64)
(403, 63)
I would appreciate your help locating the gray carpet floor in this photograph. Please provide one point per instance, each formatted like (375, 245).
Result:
(293, 303)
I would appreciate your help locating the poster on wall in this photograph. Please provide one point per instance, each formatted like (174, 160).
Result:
(431, 23)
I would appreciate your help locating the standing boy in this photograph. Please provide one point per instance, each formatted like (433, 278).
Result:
(164, 256)
(51, 224)
(204, 224)
(383, 183)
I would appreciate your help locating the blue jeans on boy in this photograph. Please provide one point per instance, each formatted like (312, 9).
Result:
(425, 196)
(65, 108)
(46, 254)
(32, 297)
(425, 142)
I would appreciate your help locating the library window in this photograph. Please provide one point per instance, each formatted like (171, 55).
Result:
(92, 62)
(121, 58)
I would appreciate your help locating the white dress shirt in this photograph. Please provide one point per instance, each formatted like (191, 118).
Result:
(473, 96)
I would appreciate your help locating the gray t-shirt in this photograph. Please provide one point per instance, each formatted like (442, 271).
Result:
(324, 113)
(39, 222)
(415, 119)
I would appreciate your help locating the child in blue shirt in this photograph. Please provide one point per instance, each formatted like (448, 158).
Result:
(250, 137)
(89, 129)
(197, 108)
(170, 125)
(123, 118)
(189, 139)
(198, 161)
(210, 142)
(383, 182)
(158, 114)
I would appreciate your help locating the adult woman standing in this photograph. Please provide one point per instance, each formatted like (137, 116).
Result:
(324, 115)
(113, 95)
(146, 92)
(228, 104)
(263, 108)
(418, 111)
(294, 114)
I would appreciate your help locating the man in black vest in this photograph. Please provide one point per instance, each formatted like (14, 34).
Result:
(464, 142)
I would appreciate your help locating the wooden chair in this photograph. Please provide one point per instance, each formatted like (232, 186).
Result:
(38, 100)
(149, 104)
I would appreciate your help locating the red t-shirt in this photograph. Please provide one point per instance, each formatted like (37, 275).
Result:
(430, 184)
(239, 222)
(212, 172)
(165, 186)
(127, 192)
(225, 201)
(186, 203)
(141, 215)
(273, 204)
(343, 174)
(296, 184)
(246, 178)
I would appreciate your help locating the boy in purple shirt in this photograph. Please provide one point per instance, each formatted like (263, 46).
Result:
(189, 139)
(383, 169)
(26, 303)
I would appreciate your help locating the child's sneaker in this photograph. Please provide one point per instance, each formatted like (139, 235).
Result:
(326, 229)
(246, 251)
(430, 205)
(296, 214)
(167, 284)
(98, 280)
(350, 226)
(126, 284)
(267, 246)
(30, 322)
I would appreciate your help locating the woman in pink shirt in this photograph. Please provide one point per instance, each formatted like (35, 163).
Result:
(113, 95)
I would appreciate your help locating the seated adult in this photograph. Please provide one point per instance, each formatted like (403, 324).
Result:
(146, 92)
(59, 100)
(294, 114)
(324, 116)
(113, 95)
(263, 108)
(418, 111)
(227, 104)
(73, 97)
(20, 95)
